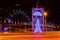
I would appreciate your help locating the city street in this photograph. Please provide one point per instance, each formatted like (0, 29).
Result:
(29, 20)
(53, 35)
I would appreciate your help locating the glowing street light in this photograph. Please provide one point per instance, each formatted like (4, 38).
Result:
(45, 15)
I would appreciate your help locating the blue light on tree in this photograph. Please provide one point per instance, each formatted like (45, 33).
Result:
(37, 13)
(37, 26)
(5, 28)
(9, 20)
(38, 22)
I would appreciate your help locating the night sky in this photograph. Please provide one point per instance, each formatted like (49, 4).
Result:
(52, 6)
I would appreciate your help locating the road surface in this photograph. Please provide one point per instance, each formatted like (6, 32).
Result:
(51, 35)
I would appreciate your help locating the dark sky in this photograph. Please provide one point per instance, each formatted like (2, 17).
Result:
(52, 6)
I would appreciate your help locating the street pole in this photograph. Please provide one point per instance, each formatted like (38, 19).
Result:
(45, 15)
(45, 23)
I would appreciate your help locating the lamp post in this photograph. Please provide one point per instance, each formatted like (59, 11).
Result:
(45, 15)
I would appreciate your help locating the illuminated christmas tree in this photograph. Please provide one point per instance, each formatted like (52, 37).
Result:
(37, 26)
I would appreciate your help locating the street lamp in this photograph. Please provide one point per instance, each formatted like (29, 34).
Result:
(45, 15)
